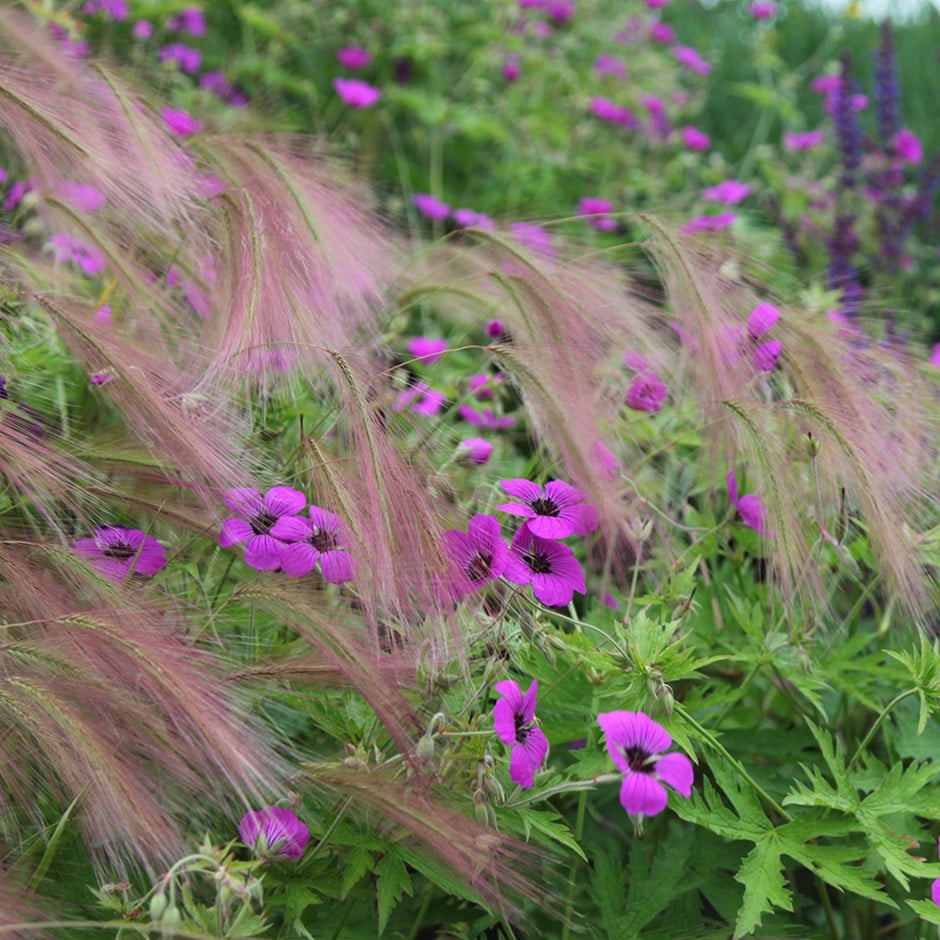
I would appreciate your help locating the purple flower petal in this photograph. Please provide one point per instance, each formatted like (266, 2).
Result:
(732, 481)
(642, 794)
(292, 529)
(525, 490)
(517, 509)
(935, 892)
(234, 531)
(527, 706)
(337, 566)
(297, 559)
(676, 770)
(284, 501)
(527, 758)
(752, 512)
(625, 730)
(504, 721)
(263, 553)
(554, 527)
(243, 500)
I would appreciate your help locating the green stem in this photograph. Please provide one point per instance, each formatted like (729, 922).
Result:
(716, 745)
(877, 724)
(578, 831)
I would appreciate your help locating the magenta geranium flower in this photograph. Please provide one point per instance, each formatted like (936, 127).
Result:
(750, 507)
(353, 57)
(258, 515)
(662, 32)
(431, 207)
(426, 349)
(691, 59)
(607, 64)
(480, 553)
(646, 392)
(761, 319)
(355, 93)
(763, 9)
(550, 567)
(554, 512)
(606, 110)
(708, 223)
(907, 146)
(514, 721)
(803, 140)
(637, 745)
(935, 887)
(485, 418)
(765, 355)
(117, 552)
(274, 833)
(475, 450)
(470, 218)
(185, 57)
(320, 539)
(730, 192)
(180, 122)
(695, 139)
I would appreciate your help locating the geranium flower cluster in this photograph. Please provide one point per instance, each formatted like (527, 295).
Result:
(536, 555)
(636, 743)
(277, 536)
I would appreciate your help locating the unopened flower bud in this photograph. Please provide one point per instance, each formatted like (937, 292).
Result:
(638, 530)
(157, 906)
(169, 922)
(425, 748)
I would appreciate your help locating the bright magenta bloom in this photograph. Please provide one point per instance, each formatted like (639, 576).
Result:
(550, 567)
(908, 147)
(695, 139)
(426, 349)
(646, 392)
(708, 223)
(765, 356)
(761, 319)
(606, 110)
(513, 719)
(180, 122)
(763, 9)
(353, 57)
(480, 553)
(431, 207)
(258, 515)
(803, 140)
(730, 192)
(553, 513)
(662, 32)
(475, 450)
(691, 59)
(750, 507)
(355, 93)
(274, 833)
(320, 539)
(636, 744)
(116, 552)
(485, 418)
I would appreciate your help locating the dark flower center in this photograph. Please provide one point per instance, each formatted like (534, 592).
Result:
(637, 759)
(478, 569)
(544, 506)
(262, 522)
(323, 540)
(538, 563)
(522, 729)
(122, 551)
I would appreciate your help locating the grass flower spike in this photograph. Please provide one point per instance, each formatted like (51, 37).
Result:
(513, 719)
(637, 745)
